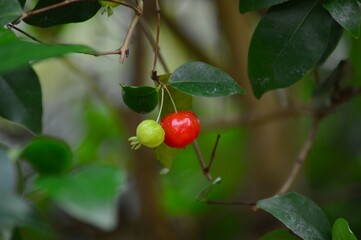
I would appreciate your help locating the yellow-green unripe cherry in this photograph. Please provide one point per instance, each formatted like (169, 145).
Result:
(150, 133)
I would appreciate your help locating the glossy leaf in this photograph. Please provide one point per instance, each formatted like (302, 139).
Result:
(142, 99)
(164, 154)
(249, 5)
(279, 235)
(22, 2)
(346, 13)
(342, 231)
(69, 13)
(10, 10)
(201, 79)
(301, 215)
(287, 44)
(47, 155)
(333, 40)
(89, 194)
(17, 53)
(21, 98)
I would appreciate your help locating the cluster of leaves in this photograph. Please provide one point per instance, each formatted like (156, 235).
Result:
(307, 29)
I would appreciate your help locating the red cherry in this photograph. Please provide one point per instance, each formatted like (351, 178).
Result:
(180, 128)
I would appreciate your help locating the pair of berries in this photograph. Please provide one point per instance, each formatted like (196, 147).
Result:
(177, 130)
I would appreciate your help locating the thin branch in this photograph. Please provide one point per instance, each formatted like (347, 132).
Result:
(201, 160)
(12, 26)
(301, 157)
(67, 2)
(149, 36)
(124, 49)
(156, 50)
(213, 154)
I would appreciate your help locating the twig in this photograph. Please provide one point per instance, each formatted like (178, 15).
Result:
(301, 157)
(208, 168)
(12, 26)
(67, 2)
(201, 160)
(124, 49)
(149, 36)
(156, 49)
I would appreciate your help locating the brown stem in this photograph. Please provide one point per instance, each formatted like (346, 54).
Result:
(67, 2)
(213, 154)
(152, 41)
(301, 157)
(201, 161)
(156, 49)
(124, 49)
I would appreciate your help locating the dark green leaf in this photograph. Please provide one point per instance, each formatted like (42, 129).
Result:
(16, 53)
(249, 5)
(10, 10)
(21, 98)
(333, 40)
(142, 99)
(201, 79)
(346, 13)
(47, 155)
(342, 231)
(301, 215)
(22, 2)
(69, 13)
(287, 44)
(89, 194)
(279, 235)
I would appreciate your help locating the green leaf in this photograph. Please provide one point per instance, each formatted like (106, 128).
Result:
(333, 40)
(249, 5)
(22, 3)
(17, 53)
(342, 231)
(89, 194)
(346, 13)
(10, 10)
(69, 13)
(201, 79)
(142, 99)
(301, 215)
(287, 44)
(47, 155)
(21, 98)
(279, 235)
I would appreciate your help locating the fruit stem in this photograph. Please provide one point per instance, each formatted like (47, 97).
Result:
(170, 96)
(161, 105)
